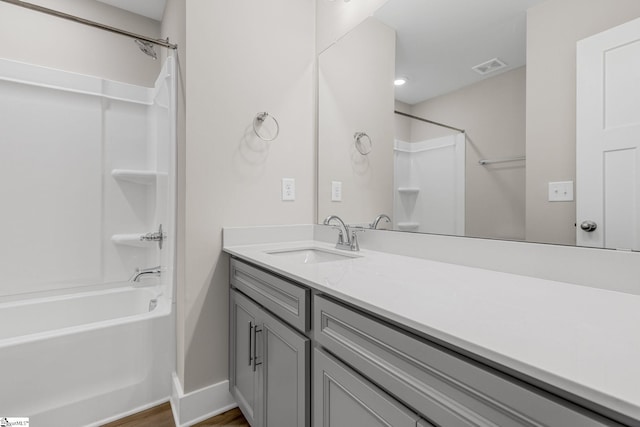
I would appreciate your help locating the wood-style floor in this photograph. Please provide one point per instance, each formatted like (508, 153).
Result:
(161, 416)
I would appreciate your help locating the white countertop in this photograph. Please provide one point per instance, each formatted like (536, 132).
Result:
(580, 339)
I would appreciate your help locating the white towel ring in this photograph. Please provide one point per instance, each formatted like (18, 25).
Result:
(363, 143)
(259, 120)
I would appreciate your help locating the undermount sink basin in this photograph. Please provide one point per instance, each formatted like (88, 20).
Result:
(311, 255)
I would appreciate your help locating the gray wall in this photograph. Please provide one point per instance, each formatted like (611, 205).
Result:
(356, 95)
(249, 57)
(553, 28)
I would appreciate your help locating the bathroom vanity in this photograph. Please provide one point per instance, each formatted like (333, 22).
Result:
(269, 347)
(335, 338)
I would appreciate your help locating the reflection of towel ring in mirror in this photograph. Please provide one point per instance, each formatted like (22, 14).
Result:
(363, 143)
(259, 120)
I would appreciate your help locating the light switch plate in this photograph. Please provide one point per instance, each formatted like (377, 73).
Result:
(561, 191)
(336, 191)
(288, 189)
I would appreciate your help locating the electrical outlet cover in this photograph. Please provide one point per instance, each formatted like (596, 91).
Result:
(336, 191)
(288, 189)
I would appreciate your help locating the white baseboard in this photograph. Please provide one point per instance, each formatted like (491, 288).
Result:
(193, 407)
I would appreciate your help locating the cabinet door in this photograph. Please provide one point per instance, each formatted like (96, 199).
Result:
(342, 398)
(284, 365)
(243, 379)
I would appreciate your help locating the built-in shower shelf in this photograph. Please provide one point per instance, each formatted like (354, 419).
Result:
(130, 240)
(408, 225)
(408, 190)
(143, 177)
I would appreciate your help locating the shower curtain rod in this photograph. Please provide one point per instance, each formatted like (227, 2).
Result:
(428, 121)
(159, 42)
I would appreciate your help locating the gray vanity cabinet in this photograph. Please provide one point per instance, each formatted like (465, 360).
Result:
(269, 361)
(446, 388)
(367, 371)
(343, 398)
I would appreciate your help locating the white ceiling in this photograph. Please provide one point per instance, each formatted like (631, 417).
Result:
(438, 41)
(153, 9)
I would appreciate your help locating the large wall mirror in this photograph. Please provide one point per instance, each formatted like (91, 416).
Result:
(483, 138)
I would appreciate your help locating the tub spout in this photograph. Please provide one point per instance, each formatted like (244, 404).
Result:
(153, 271)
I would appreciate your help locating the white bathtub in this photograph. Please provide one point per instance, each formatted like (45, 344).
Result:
(87, 358)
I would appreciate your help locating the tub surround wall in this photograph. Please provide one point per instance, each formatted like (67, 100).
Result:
(90, 161)
(42, 128)
(45, 40)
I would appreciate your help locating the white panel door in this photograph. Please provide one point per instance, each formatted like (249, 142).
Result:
(608, 138)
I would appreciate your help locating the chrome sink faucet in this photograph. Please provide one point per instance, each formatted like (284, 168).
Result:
(153, 271)
(347, 239)
(375, 222)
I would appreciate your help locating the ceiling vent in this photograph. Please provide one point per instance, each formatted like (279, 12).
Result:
(490, 66)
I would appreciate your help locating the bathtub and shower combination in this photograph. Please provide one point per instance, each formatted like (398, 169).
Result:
(87, 168)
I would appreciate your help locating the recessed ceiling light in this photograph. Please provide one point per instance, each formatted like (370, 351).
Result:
(400, 81)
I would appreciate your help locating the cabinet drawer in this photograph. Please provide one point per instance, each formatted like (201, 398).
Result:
(286, 300)
(446, 388)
